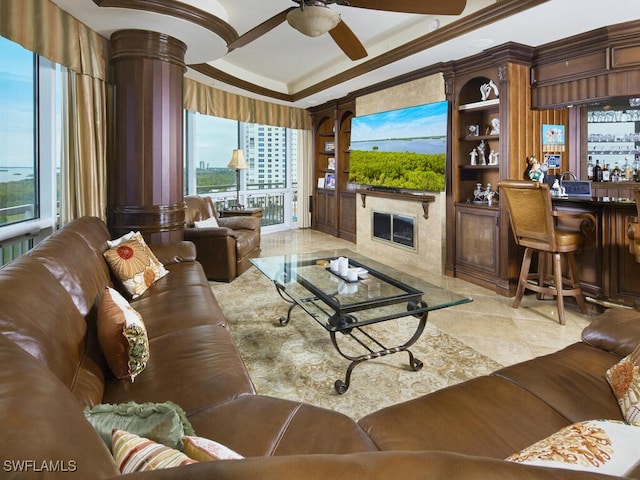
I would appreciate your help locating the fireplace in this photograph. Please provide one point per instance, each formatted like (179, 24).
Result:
(394, 229)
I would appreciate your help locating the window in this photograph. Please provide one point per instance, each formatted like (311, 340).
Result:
(18, 159)
(30, 133)
(209, 142)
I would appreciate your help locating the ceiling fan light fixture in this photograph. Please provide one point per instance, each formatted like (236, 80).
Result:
(313, 21)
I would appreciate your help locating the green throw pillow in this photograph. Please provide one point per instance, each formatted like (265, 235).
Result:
(164, 423)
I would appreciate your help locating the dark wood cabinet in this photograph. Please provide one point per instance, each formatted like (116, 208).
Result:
(607, 270)
(477, 242)
(334, 204)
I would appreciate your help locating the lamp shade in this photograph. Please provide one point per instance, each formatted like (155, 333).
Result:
(237, 160)
(313, 20)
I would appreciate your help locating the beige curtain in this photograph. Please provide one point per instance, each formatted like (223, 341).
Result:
(41, 27)
(84, 147)
(211, 101)
(305, 177)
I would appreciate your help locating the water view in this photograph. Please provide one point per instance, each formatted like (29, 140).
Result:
(416, 145)
(13, 174)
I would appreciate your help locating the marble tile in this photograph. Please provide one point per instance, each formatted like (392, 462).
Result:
(489, 324)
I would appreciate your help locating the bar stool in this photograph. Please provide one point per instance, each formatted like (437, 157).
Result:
(634, 230)
(533, 222)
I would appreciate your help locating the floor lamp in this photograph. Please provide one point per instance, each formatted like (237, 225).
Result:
(237, 163)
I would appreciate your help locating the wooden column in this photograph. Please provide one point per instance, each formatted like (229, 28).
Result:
(145, 190)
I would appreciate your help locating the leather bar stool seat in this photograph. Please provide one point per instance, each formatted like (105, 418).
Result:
(534, 225)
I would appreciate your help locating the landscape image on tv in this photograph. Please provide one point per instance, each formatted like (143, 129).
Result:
(401, 149)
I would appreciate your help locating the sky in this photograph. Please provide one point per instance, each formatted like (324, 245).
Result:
(215, 139)
(419, 121)
(16, 105)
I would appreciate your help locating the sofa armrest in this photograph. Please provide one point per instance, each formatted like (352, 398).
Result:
(240, 223)
(366, 466)
(617, 331)
(174, 252)
(198, 233)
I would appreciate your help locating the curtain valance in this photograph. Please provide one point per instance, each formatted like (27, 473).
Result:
(42, 27)
(211, 101)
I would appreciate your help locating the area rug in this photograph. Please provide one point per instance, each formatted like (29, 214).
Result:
(299, 362)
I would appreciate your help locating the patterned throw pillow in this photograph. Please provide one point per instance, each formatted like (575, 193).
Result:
(603, 446)
(122, 336)
(210, 222)
(204, 450)
(624, 378)
(138, 454)
(165, 422)
(133, 263)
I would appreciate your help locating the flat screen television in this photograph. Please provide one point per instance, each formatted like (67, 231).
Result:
(402, 149)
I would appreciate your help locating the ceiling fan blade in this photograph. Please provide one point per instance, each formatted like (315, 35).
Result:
(260, 30)
(425, 7)
(347, 41)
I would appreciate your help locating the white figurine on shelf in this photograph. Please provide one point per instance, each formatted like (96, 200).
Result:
(494, 87)
(485, 90)
(493, 158)
(482, 158)
(474, 157)
(495, 126)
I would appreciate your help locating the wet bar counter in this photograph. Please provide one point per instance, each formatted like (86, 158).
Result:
(607, 270)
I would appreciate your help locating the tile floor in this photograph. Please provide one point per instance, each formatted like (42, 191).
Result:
(488, 324)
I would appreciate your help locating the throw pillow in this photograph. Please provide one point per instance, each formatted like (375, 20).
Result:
(204, 450)
(137, 454)
(624, 378)
(602, 446)
(117, 241)
(122, 335)
(210, 222)
(164, 423)
(134, 264)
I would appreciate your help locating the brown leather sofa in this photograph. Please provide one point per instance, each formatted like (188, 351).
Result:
(52, 367)
(223, 251)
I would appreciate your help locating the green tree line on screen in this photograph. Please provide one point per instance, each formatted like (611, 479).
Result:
(412, 171)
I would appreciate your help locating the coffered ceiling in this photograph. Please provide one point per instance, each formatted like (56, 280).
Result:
(285, 66)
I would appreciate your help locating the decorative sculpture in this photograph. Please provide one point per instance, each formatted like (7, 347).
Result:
(474, 157)
(482, 160)
(485, 90)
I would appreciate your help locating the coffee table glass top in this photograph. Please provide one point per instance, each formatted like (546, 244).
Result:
(379, 292)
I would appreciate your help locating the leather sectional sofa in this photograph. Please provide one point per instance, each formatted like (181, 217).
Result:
(52, 367)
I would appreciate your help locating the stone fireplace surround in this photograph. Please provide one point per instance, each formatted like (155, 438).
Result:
(429, 250)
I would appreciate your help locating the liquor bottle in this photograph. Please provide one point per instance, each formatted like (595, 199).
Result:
(606, 174)
(616, 174)
(628, 170)
(597, 172)
(590, 168)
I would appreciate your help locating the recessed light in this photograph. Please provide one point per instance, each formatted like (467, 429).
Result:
(480, 43)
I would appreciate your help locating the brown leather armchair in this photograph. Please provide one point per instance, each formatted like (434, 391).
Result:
(223, 251)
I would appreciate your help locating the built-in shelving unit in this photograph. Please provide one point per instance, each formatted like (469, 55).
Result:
(334, 198)
(485, 93)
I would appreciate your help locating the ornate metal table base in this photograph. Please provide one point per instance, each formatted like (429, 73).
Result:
(414, 363)
(364, 339)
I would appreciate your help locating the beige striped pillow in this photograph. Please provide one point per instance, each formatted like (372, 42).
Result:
(137, 454)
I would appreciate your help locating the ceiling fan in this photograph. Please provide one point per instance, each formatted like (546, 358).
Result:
(314, 17)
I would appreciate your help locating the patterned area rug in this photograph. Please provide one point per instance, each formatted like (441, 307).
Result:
(299, 362)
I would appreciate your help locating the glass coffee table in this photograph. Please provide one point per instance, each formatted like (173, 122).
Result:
(347, 300)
